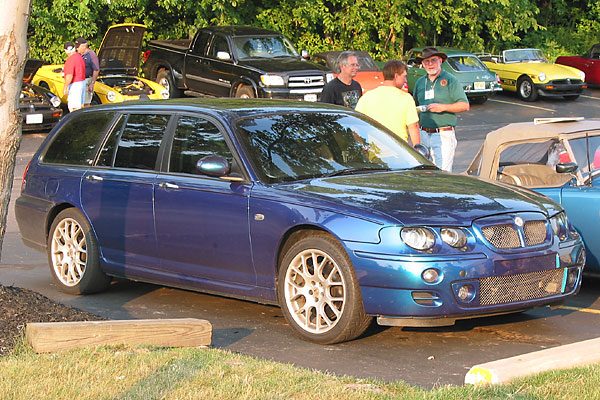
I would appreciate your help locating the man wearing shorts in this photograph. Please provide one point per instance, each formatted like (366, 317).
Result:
(74, 72)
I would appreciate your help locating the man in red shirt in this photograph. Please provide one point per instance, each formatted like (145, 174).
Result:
(74, 72)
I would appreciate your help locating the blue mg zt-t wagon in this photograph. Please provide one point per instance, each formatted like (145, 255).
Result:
(313, 207)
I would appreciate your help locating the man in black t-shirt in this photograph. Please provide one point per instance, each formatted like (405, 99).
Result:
(344, 90)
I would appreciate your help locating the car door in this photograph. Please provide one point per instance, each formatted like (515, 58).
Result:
(117, 193)
(195, 64)
(201, 221)
(219, 70)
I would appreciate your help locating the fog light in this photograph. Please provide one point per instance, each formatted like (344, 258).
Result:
(430, 275)
(572, 277)
(465, 293)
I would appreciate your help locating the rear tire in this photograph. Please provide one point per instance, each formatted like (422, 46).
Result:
(319, 292)
(73, 255)
(164, 78)
(526, 89)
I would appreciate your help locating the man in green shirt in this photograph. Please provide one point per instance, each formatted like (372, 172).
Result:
(441, 97)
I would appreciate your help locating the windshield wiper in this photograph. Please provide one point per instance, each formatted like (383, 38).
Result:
(419, 167)
(352, 171)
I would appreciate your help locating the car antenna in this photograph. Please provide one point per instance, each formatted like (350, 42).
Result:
(587, 150)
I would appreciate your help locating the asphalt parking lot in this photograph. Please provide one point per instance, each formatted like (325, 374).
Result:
(425, 357)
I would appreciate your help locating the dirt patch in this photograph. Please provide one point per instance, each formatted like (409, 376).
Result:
(20, 306)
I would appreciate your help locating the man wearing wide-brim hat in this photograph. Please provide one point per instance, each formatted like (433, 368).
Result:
(441, 96)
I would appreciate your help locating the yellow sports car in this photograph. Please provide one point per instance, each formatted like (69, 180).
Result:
(527, 72)
(119, 56)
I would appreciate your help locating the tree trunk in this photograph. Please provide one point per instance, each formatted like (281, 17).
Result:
(13, 49)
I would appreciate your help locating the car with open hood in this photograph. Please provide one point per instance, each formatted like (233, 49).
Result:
(119, 58)
(528, 73)
(311, 206)
(478, 82)
(369, 75)
(589, 63)
(558, 157)
(39, 109)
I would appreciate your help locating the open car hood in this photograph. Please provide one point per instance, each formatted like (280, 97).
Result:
(31, 67)
(120, 50)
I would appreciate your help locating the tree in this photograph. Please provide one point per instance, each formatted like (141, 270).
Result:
(13, 47)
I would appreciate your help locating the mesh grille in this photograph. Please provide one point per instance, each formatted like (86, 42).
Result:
(502, 236)
(521, 287)
(535, 232)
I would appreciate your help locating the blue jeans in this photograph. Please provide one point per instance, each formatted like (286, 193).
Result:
(442, 146)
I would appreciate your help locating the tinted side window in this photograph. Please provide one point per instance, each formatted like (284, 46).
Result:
(219, 43)
(140, 141)
(195, 138)
(201, 42)
(107, 153)
(75, 143)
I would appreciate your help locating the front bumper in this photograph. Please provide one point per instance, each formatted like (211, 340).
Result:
(560, 88)
(496, 284)
(308, 94)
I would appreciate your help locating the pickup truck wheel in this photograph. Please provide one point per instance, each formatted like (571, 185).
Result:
(245, 92)
(163, 77)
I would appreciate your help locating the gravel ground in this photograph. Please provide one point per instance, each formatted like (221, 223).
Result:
(20, 306)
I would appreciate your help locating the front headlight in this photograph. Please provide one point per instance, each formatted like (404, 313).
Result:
(454, 237)
(329, 77)
(55, 101)
(111, 96)
(559, 225)
(272, 80)
(582, 75)
(542, 76)
(164, 94)
(418, 238)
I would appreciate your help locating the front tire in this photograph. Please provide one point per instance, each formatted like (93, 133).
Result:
(73, 255)
(526, 89)
(318, 291)
(245, 92)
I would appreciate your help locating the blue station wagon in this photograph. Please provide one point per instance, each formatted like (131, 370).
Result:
(312, 207)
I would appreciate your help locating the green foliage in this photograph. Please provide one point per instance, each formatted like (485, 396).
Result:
(385, 29)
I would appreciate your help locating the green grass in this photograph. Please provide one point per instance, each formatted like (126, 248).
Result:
(144, 373)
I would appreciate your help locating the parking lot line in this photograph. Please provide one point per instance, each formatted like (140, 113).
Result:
(590, 97)
(522, 105)
(587, 310)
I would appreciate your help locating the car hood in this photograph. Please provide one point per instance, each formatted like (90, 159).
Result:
(31, 67)
(120, 50)
(471, 76)
(424, 197)
(285, 65)
(552, 71)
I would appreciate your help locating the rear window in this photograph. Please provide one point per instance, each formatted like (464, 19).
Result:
(76, 142)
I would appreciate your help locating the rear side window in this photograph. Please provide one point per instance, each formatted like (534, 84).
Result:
(140, 141)
(195, 138)
(76, 142)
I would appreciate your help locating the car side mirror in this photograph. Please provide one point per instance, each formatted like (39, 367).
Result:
(223, 55)
(422, 150)
(213, 165)
(566, 168)
(304, 54)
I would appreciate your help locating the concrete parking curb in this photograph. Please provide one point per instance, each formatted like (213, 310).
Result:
(567, 356)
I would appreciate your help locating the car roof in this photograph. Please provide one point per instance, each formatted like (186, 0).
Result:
(234, 107)
(450, 51)
(240, 30)
(529, 131)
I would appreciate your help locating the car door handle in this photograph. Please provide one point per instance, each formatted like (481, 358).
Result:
(167, 185)
(95, 178)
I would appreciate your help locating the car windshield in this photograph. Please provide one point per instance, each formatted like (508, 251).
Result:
(580, 148)
(288, 147)
(263, 47)
(465, 63)
(524, 55)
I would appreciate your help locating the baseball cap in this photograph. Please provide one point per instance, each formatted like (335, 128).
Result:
(69, 47)
(79, 41)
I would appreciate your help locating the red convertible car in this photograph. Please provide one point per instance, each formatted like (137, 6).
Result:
(588, 63)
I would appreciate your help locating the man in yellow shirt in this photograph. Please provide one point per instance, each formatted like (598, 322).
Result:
(392, 107)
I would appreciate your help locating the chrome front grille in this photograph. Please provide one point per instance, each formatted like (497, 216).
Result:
(520, 287)
(506, 236)
(502, 236)
(535, 232)
(306, 81)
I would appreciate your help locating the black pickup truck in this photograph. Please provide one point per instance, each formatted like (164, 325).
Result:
(234, 61)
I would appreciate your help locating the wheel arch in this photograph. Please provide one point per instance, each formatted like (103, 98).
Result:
(246, 82)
